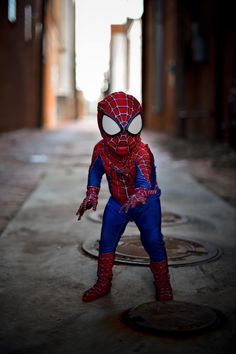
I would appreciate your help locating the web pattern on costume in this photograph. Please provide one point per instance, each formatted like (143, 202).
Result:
(120, 106)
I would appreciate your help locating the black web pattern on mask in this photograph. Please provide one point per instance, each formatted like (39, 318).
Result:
(116, 105)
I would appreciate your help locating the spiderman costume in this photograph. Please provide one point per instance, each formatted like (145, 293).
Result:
(129, 167)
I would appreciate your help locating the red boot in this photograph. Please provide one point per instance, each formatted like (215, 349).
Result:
(103, 285)
(162, 280)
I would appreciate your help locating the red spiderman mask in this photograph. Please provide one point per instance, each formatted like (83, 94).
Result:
(120, 122)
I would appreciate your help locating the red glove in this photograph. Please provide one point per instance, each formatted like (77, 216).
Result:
(140, 196)
(90, 201)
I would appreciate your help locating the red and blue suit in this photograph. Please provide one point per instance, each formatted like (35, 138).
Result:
(129, 167)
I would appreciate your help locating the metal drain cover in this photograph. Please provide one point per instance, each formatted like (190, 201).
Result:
(171, 317)
(179, 250)
(168, 218)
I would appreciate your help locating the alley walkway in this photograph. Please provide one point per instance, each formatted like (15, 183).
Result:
(44, 270)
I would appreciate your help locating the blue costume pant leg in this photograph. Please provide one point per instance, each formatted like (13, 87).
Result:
(113, 226)
(148, 220)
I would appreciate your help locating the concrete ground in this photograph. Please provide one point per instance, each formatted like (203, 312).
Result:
(44, 271)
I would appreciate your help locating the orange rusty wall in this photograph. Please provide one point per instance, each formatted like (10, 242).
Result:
(50, 63)
(20, 68)
(147, 62)
(58, 103)
(166, 118)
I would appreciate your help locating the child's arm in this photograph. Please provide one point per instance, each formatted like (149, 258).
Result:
(95, 174)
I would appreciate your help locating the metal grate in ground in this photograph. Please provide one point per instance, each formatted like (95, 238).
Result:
(172, 317)
(180, 251)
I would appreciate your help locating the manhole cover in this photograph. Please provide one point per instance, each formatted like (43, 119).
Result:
(172, 317)
(180, 251)
(168, 218)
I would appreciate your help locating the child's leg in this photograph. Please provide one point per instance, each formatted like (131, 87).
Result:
(113, 226)
(148, 220)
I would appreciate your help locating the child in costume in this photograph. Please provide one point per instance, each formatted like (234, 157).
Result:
(129, 167)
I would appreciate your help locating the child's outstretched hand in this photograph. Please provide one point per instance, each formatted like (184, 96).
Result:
(140, 197)
(90, 201)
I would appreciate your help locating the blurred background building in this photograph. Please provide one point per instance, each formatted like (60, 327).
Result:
(37, 63)
(189, 68)
(176, 56)
(125, 72)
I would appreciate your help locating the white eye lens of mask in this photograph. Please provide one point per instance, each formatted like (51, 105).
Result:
(136, 125)
(109, 126)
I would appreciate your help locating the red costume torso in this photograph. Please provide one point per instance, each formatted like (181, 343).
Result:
(123, 171)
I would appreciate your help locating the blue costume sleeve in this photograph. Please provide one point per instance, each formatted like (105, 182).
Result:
(140, 180)
(96, 172)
